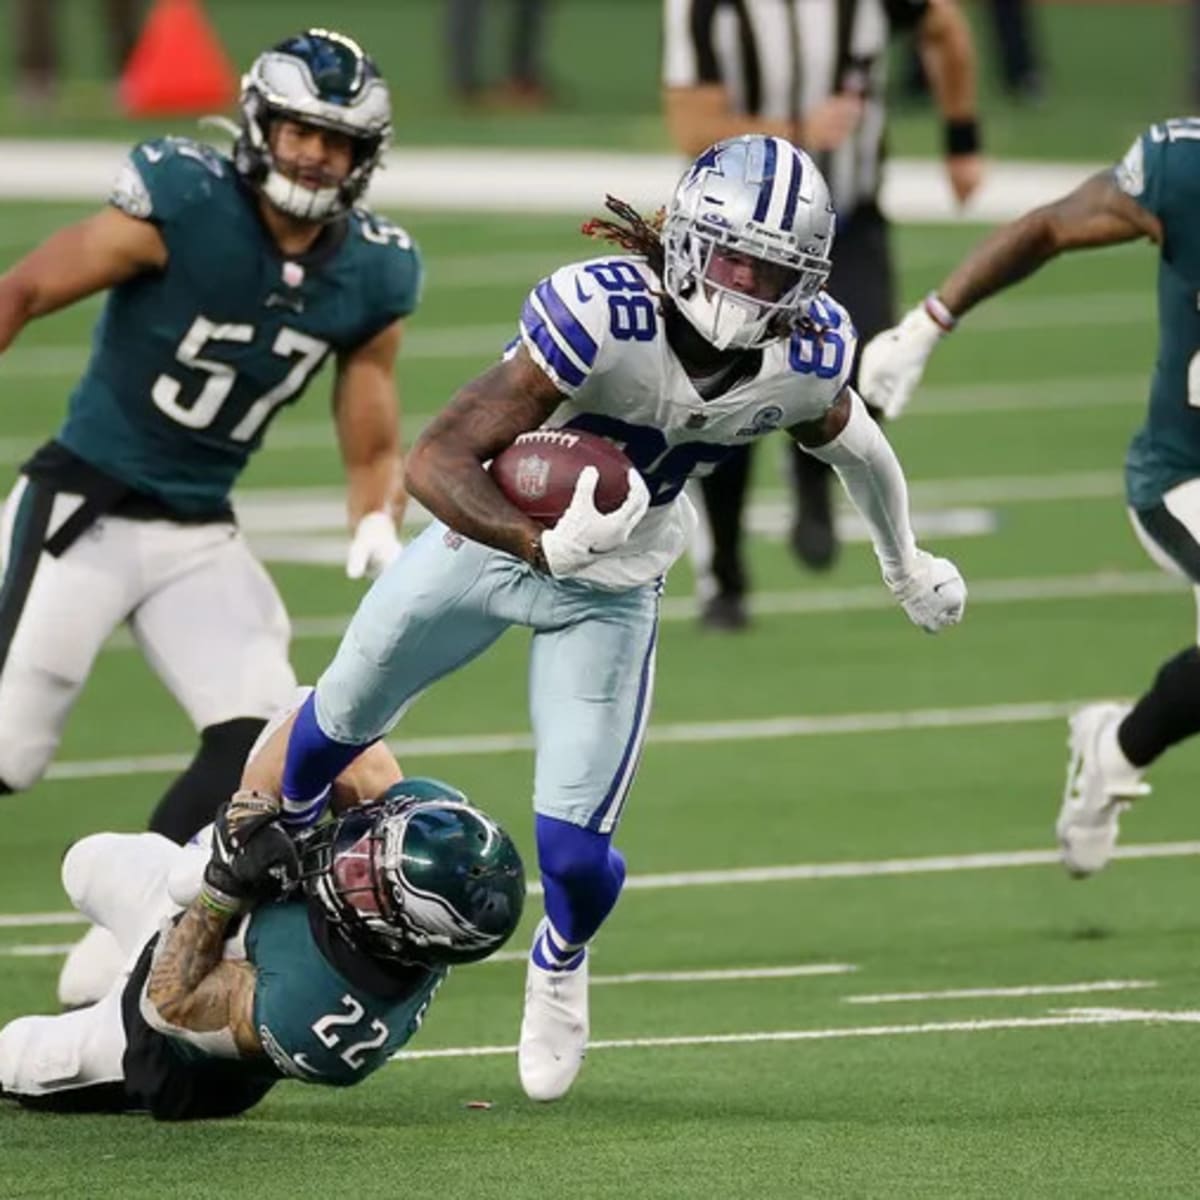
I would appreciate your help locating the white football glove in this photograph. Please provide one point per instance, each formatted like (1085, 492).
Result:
(932, 593)
(583, 531)
(373, 546)
(894, 360)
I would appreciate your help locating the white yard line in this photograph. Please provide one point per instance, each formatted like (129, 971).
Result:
(1032, 989)
(44, 950)
(1075, 1017)
(864, 598)
(937, 864)
(292, 434)
(454, 342)
(36, 920)
(571, 182)
(793, 873)
(685, 732)
(733, 975)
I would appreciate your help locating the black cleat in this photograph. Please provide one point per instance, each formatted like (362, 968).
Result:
(813, 540)
(724, 613)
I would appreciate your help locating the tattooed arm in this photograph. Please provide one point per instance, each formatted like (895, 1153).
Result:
(194, 990)
(444, 469)
(1097, 213)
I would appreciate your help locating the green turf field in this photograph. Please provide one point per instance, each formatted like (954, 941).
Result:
(1111, 69)
(830, 1055)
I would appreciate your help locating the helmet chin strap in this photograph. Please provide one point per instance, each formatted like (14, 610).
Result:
(306, 204)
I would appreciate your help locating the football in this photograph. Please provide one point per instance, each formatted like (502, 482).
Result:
(537, 473)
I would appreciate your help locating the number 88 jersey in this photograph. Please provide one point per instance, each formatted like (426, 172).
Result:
(596, 328)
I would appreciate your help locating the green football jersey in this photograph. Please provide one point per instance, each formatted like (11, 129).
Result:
(1162, 173)
(315, 1024)
(189, 364)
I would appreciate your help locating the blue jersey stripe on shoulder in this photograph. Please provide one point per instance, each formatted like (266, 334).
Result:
(556, 357)
(566, 323)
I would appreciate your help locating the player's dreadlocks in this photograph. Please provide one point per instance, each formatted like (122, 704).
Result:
(631, 232)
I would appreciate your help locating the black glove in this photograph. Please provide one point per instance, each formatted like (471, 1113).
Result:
(253, 859)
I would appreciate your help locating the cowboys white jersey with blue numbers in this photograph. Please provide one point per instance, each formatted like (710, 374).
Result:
(596, 328)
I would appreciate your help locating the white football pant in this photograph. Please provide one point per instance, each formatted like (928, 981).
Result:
(200, 606)
(119, 881)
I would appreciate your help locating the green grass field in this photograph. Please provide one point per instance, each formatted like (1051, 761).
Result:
(786, 1085)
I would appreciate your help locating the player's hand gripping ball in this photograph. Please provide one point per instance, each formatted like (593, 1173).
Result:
(538, 472)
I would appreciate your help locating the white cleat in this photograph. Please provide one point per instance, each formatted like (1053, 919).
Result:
(92, 966)
(1100, 787)
(554, 1030)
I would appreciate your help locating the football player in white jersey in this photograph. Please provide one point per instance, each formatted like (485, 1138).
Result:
(692, 340)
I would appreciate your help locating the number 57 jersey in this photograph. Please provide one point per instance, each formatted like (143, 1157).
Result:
(597, 330)
(190, 364)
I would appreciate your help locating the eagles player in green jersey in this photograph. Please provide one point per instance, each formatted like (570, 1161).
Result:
(1153, 193)
(230, 282)
(242, 988)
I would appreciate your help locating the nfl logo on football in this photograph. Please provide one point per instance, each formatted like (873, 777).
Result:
(533, 474)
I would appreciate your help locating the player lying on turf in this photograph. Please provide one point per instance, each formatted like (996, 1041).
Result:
(1153, 193)
(312, 959)
(681, 344)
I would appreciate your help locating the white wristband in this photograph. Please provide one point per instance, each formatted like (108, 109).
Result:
(939, 314)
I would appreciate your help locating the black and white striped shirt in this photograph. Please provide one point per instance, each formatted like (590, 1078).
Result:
(781, 58)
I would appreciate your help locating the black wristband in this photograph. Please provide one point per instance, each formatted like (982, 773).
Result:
(962, 136)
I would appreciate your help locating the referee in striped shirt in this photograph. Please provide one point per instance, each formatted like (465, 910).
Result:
(812, 71)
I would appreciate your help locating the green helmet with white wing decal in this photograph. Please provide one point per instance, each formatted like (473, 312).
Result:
(316, 78)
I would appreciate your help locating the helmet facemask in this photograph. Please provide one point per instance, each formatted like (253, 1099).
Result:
(321, 80)
(745, 252)
(427, 882)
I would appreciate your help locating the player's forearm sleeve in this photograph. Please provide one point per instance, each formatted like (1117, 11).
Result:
(871, 474)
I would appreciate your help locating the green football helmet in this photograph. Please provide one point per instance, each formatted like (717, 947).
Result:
(417, 876)
(316, 78)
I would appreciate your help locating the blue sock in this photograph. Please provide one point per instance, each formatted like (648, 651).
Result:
(313, 761)
(582, 875)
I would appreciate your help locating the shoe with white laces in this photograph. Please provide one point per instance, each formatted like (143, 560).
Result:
(554, 1030)
(1100, 787)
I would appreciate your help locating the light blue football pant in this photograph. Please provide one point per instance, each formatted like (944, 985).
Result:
(591, 668)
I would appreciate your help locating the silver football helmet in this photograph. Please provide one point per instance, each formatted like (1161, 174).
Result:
(747, 239)
(316, 78)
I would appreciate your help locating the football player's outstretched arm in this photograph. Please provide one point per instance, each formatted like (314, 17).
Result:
(367, 415)
(192, 989)
(948, 54)
(1097, 213)
(89, 256)
(929, 589)
(445, 469)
